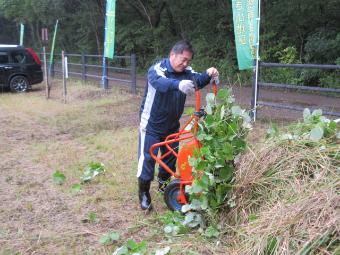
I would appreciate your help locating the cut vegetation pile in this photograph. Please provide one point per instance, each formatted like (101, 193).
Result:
(287, 192)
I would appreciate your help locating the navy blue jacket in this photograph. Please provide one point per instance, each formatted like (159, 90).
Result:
(163, 102)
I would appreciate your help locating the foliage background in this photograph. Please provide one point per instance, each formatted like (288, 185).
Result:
(299, 31)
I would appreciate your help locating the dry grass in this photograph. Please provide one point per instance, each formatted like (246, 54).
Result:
(287, 199)
(38, 137)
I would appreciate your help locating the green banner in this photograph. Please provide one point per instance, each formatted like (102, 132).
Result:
(22, 29)
(53, 42)
(110, 28)
(245, 14)
(52, 48)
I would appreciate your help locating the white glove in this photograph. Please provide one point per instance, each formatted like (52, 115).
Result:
(212, 72)
(187, 87)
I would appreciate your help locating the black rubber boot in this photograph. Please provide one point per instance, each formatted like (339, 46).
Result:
(144, 194)
(163, 180)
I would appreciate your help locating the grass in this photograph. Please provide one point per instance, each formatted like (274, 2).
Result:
(92, 126)
(285, 193)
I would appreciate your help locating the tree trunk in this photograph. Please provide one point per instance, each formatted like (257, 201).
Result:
(171, 20)
(31, 26)
(94, 26)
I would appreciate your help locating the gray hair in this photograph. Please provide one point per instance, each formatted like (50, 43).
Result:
(181, 46)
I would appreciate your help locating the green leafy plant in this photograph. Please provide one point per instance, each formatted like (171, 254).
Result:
(92, 217)
(58, 177)
(314, 128)
(222, 135)
(131, 247)
(211, 232)
(75, 188)
(318, 126)
(173, 223)
(163, 251)
(92, 170)
(109, 238)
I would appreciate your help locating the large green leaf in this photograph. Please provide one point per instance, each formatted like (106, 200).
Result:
(92, 170)
(223, 94)
(196, 187)
(317, 113)
(236, 110)
(306, 115)
(109, 238)
(211, 232)
(208, 109)
(202, 165)
(163, 251)
(205, 150)
(210, 98)
(316, 134)
(223, 112)
(226, 173)
(58, 177)
(123, 250)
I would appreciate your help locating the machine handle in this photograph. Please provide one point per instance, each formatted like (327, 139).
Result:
(214, 87)
(214, 82)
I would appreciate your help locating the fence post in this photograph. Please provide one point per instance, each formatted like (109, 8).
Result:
(255, 93)
(106, 84)
(52, 69)
(47, 86)
(64, 74)
(83, 66)
(133, 73)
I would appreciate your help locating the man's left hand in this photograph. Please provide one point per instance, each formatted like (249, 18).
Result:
(212, 72)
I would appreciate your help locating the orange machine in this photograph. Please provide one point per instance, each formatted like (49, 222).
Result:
(174, 193)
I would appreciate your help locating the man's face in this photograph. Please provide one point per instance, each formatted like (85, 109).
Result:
(179, 61)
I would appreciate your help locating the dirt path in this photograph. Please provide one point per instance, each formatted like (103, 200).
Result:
(39, 217)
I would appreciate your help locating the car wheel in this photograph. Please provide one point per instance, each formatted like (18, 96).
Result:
(19, 83)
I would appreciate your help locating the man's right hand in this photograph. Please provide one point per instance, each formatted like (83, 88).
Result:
(187, 87)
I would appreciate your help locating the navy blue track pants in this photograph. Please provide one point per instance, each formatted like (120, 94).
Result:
(146, 164)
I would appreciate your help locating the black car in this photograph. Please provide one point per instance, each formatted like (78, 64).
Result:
(20, 68)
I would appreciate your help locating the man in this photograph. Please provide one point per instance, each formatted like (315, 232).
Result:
(169, 82)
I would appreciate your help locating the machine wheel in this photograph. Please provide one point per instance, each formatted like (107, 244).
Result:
(19, 83)
(171, 193)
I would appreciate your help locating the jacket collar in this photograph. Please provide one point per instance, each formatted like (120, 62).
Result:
(168, 66)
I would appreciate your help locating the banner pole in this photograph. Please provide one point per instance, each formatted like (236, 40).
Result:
(63, 68)
(45, 73)
(104, 73)
(52, 48)
(255, 96)
(22, 29)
